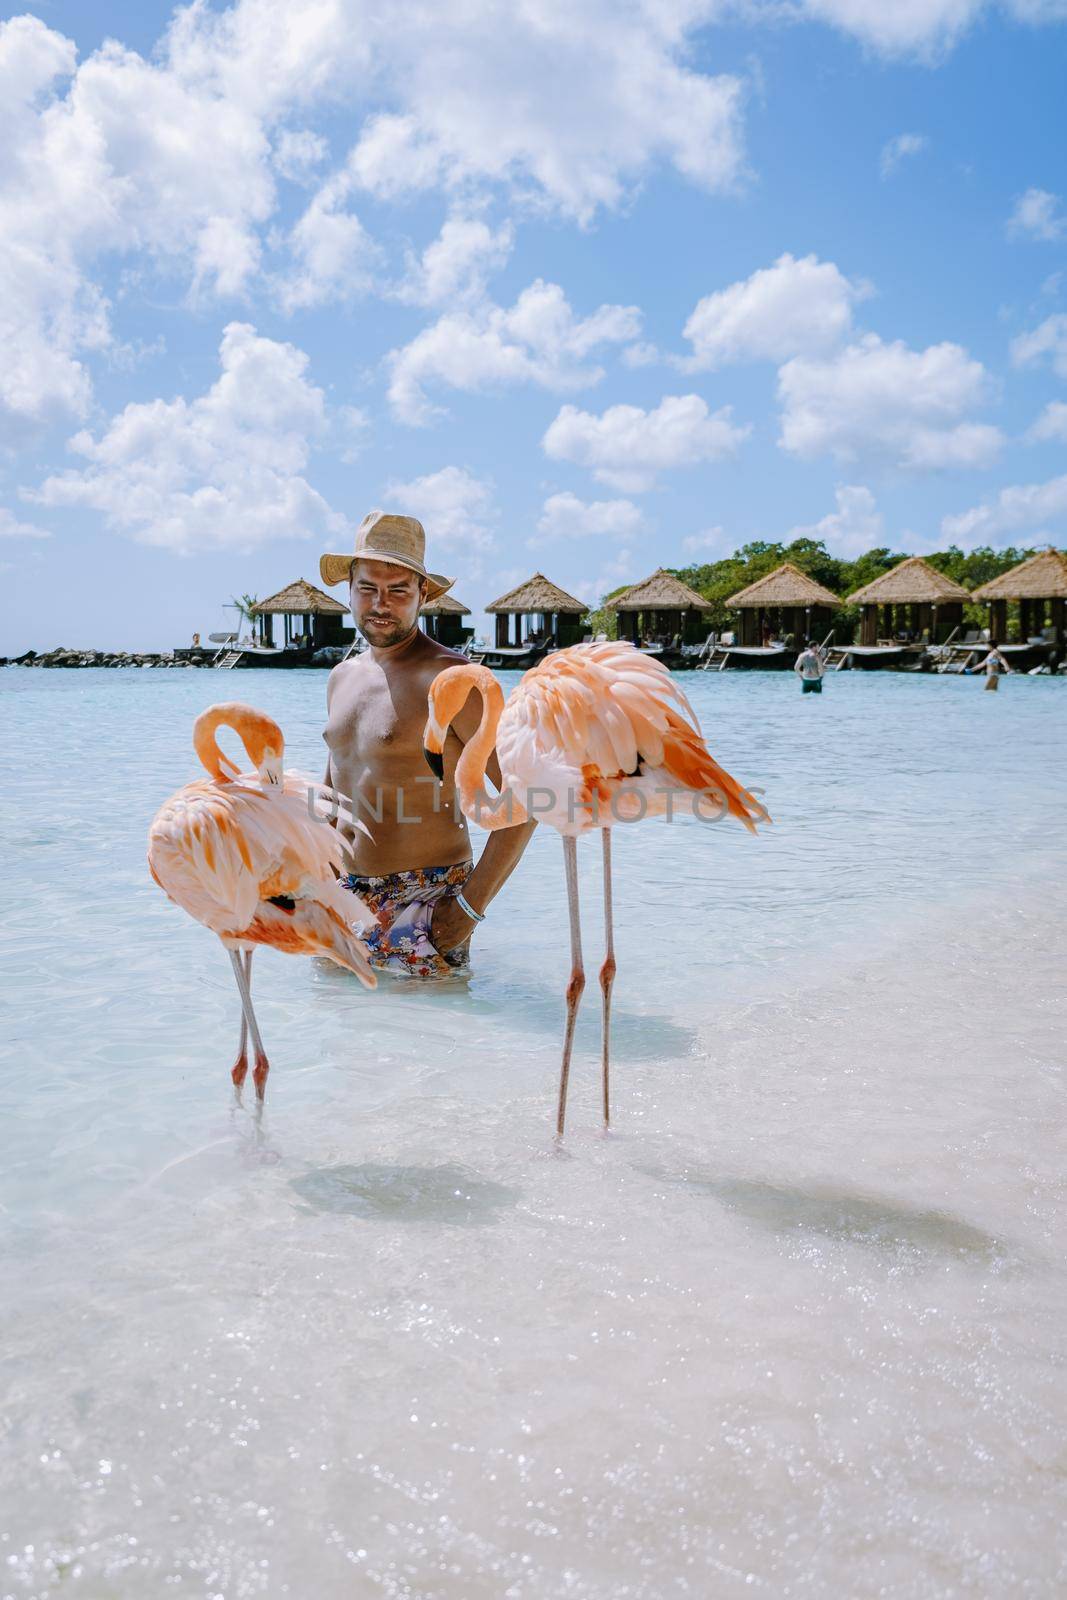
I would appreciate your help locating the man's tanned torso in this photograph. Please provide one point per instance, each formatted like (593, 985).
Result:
(376, 714)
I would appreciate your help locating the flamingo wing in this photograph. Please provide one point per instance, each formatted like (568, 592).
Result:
(203, 855)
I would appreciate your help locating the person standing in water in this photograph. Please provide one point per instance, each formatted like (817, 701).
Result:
(993, 665)
(415, 870)
(809, 664)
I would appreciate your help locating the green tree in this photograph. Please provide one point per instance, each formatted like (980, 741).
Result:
(246, 610)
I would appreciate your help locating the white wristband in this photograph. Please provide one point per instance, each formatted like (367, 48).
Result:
(464, 905)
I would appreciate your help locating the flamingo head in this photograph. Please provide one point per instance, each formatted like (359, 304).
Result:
(447, 697)
(260, 735)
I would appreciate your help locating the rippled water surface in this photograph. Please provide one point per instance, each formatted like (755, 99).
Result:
(796, 1328)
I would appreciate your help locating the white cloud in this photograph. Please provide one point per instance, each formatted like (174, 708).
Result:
(855, 527)
(222, 469)
(225, 257)
(563, 105)
(456, 265)
(923, 28)
(453, 506)
(297, 152)
(48, 315)
(568, 105)
(1025, 505)
(173, 159)
(114, 155)
(709, 542)
(1048, 339)
(626, 447)
(539, 340)
(1038, 213)
(564, 516)
(12, 528)
(877, 400)
(792, 308)
(898, 149)
(1052, 423)
(333, 255)
(641, 354)
(394, 157)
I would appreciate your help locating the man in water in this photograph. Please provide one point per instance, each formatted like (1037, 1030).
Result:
(809, 664)
(415, 871)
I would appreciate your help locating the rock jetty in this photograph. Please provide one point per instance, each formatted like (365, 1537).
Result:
(61, 657)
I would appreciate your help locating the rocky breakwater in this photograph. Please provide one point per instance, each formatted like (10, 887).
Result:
(96, 658)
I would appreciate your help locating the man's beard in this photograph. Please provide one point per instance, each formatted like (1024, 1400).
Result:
(384, 634)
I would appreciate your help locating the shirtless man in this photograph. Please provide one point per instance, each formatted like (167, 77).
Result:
(415, 871)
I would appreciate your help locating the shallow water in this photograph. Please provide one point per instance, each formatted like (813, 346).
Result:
(795, 1328)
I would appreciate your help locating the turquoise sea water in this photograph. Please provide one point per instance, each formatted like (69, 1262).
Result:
(794, 1329)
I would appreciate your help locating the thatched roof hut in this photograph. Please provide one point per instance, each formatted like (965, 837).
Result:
(785, 586)
(446, 605)
(785, 601)
(1040, 577)
(558, 613)
(444, 619)
(660, 606)
(915, 600)
(911, 582)
(538, 595)
(1038, 581)
(320, 616)
(301, 599)
(662, 591)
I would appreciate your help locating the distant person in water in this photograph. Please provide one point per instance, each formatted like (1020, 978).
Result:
(809, 664)
(993, 665)
(415, 871)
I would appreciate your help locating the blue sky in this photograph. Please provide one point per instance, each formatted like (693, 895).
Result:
(269, 266)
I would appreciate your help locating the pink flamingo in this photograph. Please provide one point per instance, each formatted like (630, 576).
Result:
(244, 855)
(605, 732)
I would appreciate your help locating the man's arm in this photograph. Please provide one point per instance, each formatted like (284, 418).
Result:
(328, 775)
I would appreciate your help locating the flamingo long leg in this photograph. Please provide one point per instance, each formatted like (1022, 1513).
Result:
(607, 976)
(244, 983)
(239, 1069)
(577, 977)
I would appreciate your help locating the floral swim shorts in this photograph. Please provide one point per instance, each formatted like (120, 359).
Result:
(403, 902)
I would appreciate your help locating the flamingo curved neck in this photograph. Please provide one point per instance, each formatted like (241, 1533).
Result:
(474, 759)
(244, 723)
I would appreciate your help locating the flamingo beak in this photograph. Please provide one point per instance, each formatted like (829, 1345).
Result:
(436, 762)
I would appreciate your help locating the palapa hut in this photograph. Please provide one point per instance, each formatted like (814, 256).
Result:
(787, 601)
(1037, 583)
(660, 606)
(311, 619)
(552, 612)
(442, 620)
(911, 598)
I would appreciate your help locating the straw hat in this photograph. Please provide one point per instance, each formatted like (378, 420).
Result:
(381, 536)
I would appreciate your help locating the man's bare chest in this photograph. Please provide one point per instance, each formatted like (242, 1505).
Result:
(371, 725)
